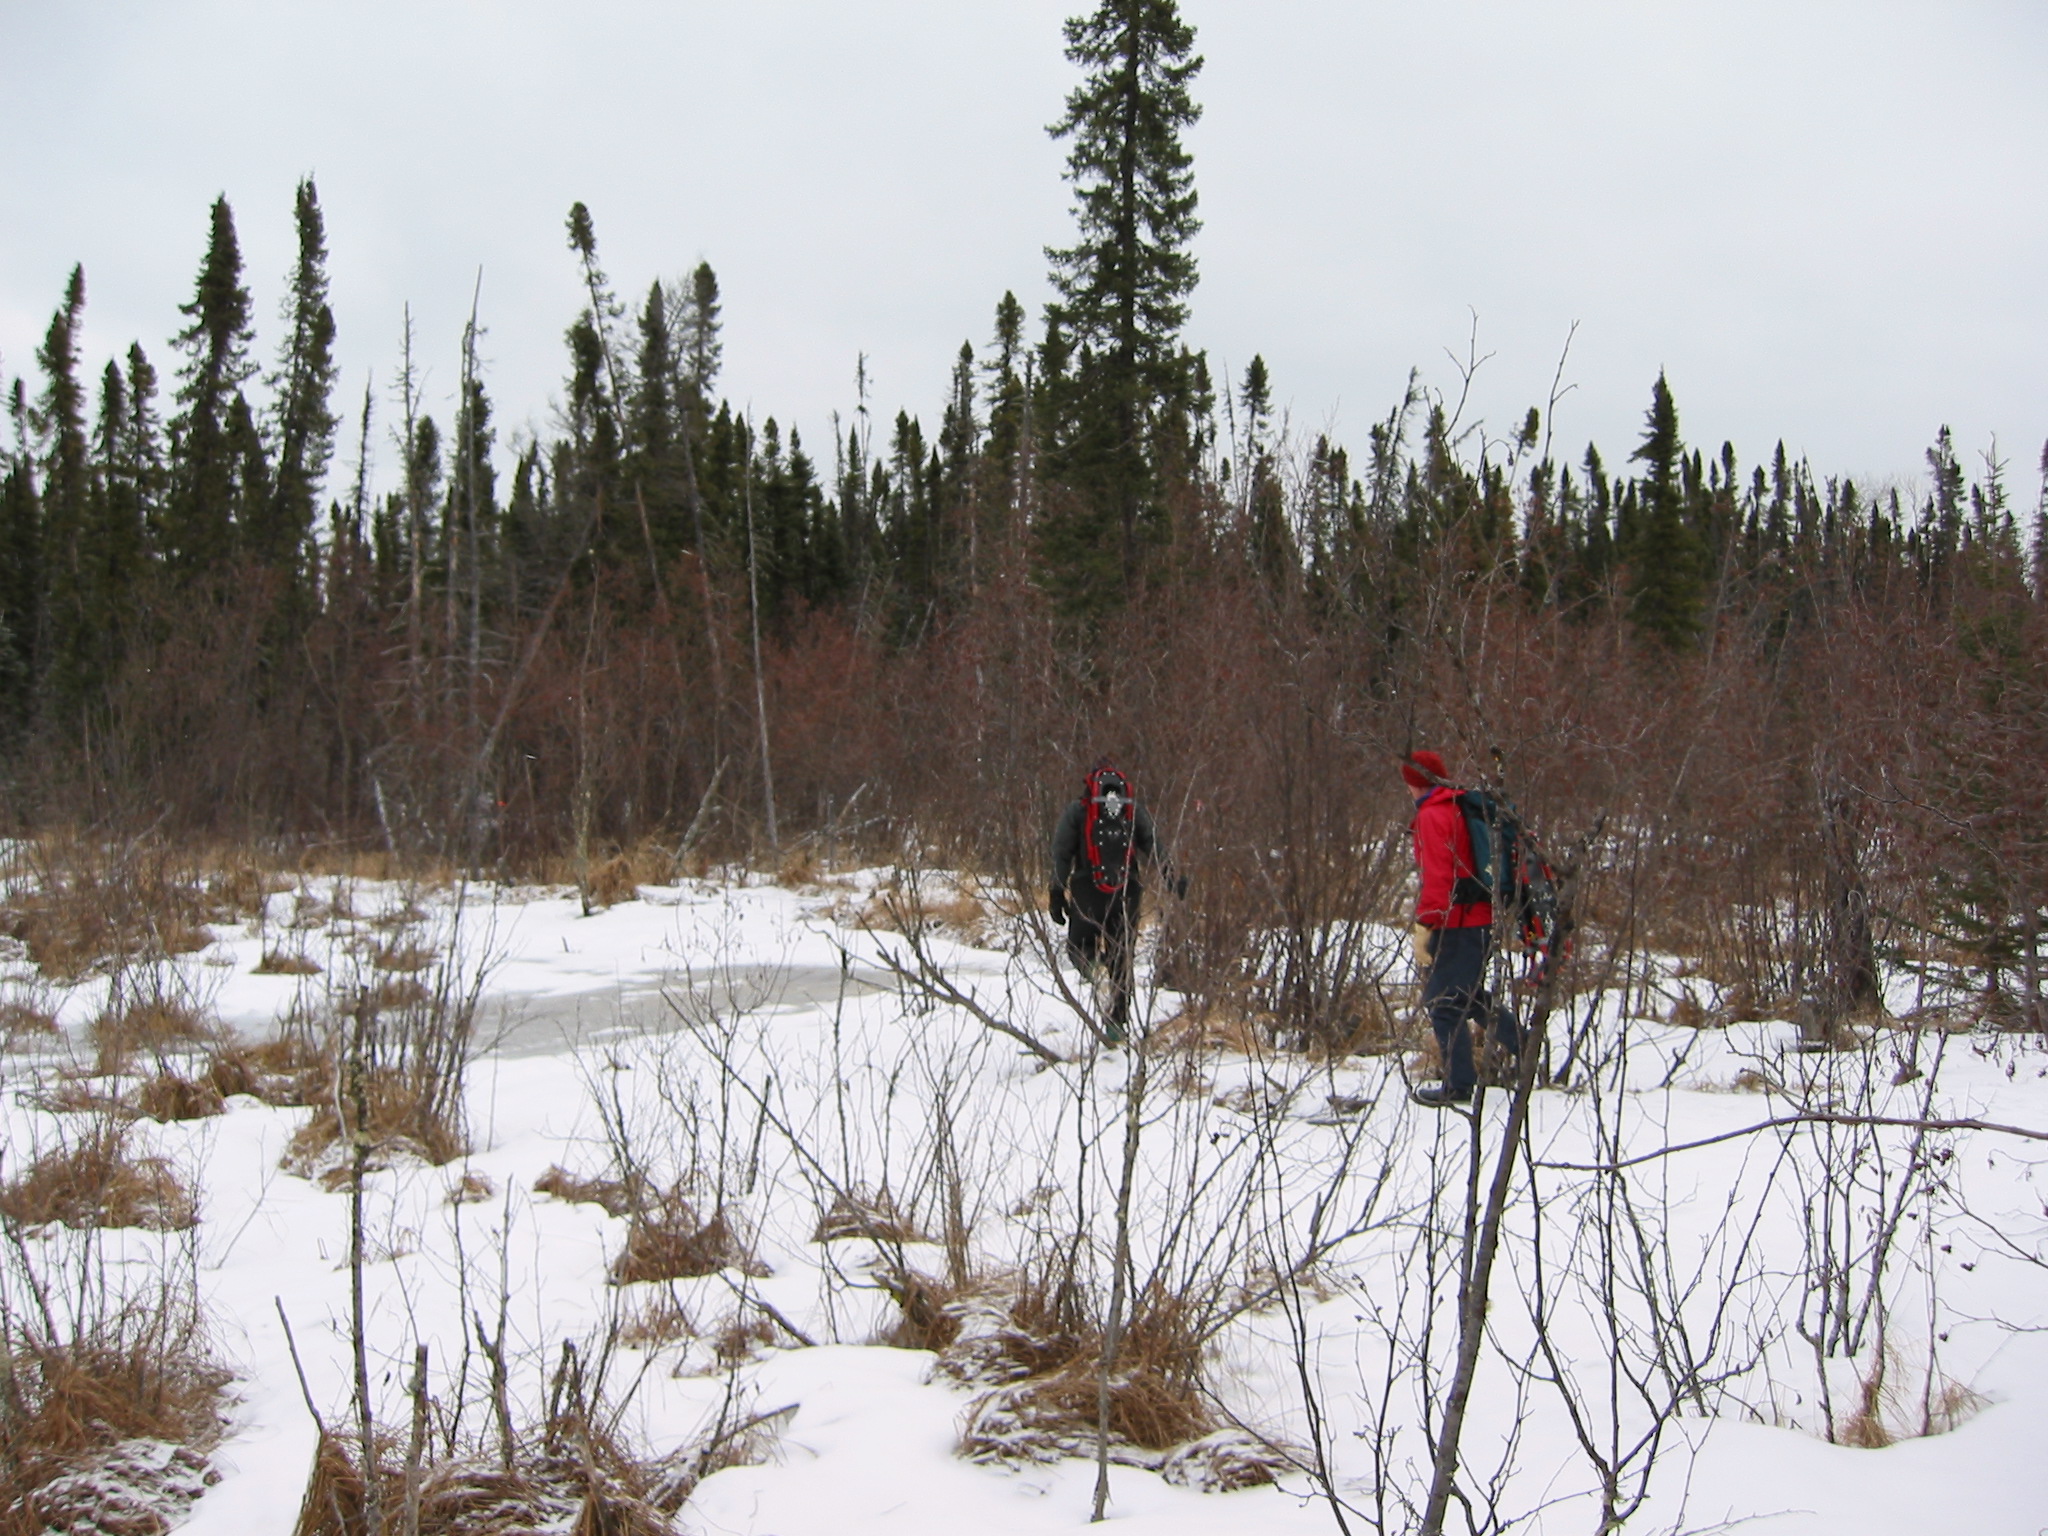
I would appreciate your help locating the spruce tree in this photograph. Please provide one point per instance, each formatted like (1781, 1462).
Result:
(655, 427)
(959, 491)
(302, 389)
(116, 537)
(1122, 286)
(2039, 568)
(142, 451)
(70, 623)
(199, 519)
(1006, 450)
(21, 570)
(702, 350)
(1666, 580)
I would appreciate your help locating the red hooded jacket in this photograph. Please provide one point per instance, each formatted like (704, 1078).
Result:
(1443, 853)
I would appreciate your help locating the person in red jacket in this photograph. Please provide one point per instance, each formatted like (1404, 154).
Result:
(1453, 938)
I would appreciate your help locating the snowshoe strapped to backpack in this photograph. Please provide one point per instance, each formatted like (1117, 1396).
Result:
(1109, 828)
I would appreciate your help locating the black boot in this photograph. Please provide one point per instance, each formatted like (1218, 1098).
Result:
(1441, 1095)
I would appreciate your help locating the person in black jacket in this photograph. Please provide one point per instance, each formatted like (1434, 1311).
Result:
(1095, 886)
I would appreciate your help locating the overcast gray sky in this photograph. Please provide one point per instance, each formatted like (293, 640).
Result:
(1827, 220)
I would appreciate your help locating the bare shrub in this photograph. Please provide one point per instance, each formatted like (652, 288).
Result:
(397, 1071)
(97, 1182)
(90, 905)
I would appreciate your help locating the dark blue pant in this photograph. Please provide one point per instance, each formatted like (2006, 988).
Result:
(1455, 994)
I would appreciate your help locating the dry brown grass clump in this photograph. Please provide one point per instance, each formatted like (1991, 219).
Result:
(402, 956)
(612, 882)
(1041, 1358)
(473, 1188)
(666, 1237)
(106, 1436)
(404, 1117)
(661, 1320)
(79, 1094)
(928, 1317)
(872, 1216)
(91, 906)
(564, 1488)
(907, 907)
(152, 1024)
(285, 962)
(667, 1240)
(97, 1182)
(394, 993)
(571, 1474)
(613, 1194)
(287, 1072)
(23, 1021)
(1213, 1028)
(167, 1096)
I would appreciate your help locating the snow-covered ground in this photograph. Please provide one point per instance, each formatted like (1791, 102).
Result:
(749, 1045)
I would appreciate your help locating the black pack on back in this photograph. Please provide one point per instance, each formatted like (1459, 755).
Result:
(1109, 828)
(1507, 870)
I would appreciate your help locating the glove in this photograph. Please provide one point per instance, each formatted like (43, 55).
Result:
(1180, 887)
(1057, 906)
(1423, 938)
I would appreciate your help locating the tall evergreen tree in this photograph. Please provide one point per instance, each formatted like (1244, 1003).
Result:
(199, 518)
(113, 577)
(21, 570)
(1666, 581)
(702, 349)
(1123, 285)
(142, 450)
(302, 389)
(1006, 454)
(67, 641)
(655, 426)
(2039, 568)
(959, 488)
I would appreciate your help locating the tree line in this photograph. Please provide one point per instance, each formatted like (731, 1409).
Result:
(216, 610)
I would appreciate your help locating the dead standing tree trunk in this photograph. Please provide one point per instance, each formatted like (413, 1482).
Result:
(1477, 1274)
